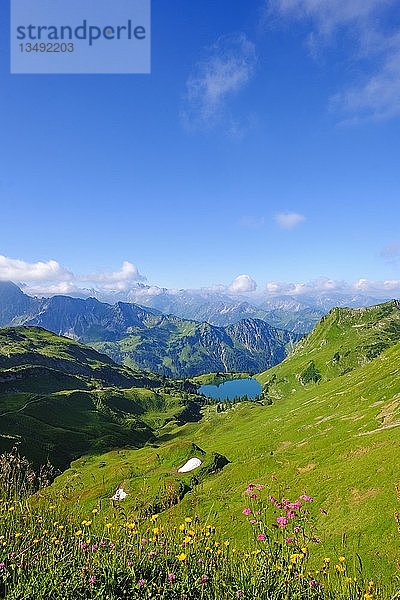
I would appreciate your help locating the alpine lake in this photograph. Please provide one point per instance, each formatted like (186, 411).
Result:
(231, 389)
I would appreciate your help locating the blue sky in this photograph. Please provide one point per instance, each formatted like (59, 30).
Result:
(265, 142)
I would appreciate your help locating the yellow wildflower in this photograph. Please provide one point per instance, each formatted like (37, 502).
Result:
(181, 556)
(340, 568)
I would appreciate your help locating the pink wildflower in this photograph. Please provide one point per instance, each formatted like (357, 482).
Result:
(282, 522)
(306, 498)
(275, 501)
(247, 511)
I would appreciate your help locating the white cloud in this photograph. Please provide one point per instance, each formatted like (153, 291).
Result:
(12, 269)
(64, 288)
(325, 284)
(328, 15)
(289, 220)
(49, 277)
(121, 280)
(370, 286)
(227, 69)
(242, 284)
(376, 96)
(321, 284)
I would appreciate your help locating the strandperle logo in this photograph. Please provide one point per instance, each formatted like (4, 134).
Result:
(80, 36)
(85, 31)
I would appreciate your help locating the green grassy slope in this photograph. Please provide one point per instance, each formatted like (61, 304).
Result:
(343, 340)
(337, 441)
(32, 347)
(59, 400)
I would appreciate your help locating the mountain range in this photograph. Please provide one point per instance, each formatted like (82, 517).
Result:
(298, 313)
(145, 338)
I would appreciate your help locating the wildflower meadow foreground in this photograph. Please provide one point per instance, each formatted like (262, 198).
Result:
(47, 552)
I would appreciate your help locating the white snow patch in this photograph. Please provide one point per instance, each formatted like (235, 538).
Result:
(191, 464)
(120, 494)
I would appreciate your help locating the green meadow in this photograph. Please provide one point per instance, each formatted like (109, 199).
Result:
(331, 435)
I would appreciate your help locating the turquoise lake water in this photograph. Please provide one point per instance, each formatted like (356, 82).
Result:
(231, 389)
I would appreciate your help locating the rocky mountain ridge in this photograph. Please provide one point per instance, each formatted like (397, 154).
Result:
(144, 338)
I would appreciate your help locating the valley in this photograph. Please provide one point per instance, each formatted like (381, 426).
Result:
(327, 427)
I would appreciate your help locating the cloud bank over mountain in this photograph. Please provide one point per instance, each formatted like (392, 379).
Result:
(49, 277)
